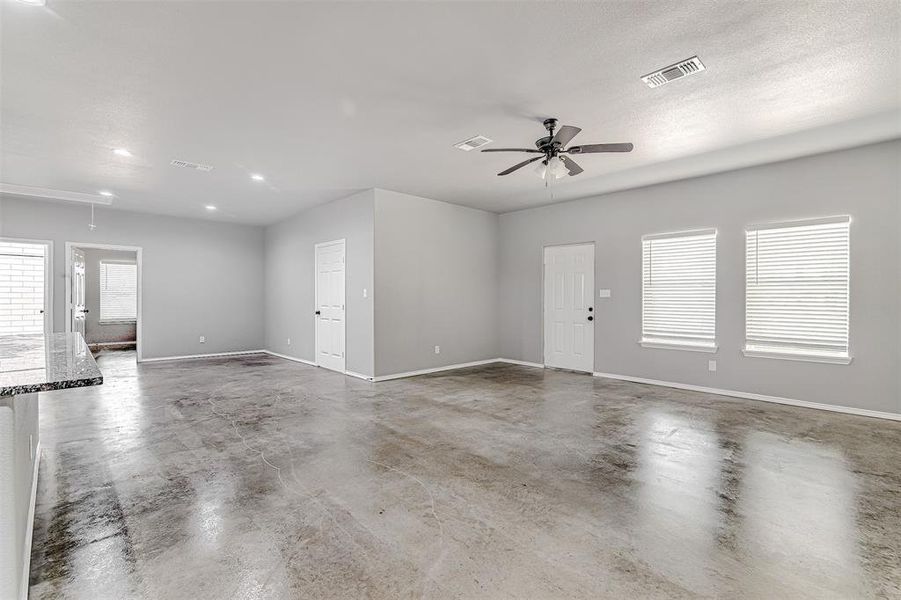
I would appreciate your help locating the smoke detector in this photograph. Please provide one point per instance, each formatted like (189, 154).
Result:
(689, 66)
(473, 143)
(190, 165)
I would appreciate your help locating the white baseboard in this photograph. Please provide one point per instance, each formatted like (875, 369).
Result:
(522, 363)
(312, 364)
(286, 357)
(862, 412)
(408, 373)
(435, 370)
(29, 528)
(193, 356)
(360, 376)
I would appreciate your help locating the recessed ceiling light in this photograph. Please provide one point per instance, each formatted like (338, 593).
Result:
(34, 2)
(106, 193)
(257, 177)
(210, 207)
(122, 152)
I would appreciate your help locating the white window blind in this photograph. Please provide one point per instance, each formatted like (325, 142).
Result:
(797, 288)
(118, 291)
(678, 291)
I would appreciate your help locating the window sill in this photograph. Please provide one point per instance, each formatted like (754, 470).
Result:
(818, 358)
(675, 346)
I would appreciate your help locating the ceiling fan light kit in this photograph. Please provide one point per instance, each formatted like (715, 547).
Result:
(553, 168)
(553, 152)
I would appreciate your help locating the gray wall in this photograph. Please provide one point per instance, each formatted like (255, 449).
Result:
(435, 283)
(290, 279)
(96, 332)
(862, 182)
(199, 277)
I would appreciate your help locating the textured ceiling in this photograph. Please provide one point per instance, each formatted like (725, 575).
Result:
(328, 98)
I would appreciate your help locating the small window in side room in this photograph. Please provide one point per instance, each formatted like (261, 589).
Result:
(118, 292)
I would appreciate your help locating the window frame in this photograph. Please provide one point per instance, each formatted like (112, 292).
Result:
(800, 356)
(711, 348)
(100, 318)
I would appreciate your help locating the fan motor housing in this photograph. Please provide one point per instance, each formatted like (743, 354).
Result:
(542, 143)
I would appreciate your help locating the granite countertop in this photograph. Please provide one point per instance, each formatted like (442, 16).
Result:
(38, 363)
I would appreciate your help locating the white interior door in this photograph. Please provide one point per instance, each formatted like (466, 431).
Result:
(77, 309)
(330, 305)
(569, 307)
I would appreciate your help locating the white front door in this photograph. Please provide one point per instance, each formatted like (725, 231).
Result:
(24, 301)
(569, 307)
(330, 305)
(77, 309)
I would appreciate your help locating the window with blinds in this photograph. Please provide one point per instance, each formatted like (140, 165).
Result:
(118, 291)
(797, 288)
(678, 290)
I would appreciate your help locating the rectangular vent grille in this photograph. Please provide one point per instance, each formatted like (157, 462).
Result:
(473, 143)
(190, 165)
(677, 71)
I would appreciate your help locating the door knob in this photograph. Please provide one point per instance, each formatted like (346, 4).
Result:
(318, 312)
(590, 318)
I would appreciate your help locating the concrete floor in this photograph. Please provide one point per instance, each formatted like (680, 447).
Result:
(256, 477)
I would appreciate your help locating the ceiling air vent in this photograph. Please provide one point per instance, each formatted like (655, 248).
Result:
(473, 143)
(677, 71)
(190, 165)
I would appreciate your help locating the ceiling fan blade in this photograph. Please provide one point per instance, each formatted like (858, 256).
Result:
(571, 165)
(592, 148)
(520, 165)
(565, 135)
(511, 150)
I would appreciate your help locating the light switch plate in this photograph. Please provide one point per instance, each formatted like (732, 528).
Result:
(604, 293)
(711, 366)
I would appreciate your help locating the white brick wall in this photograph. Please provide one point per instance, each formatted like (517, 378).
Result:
(21, 288)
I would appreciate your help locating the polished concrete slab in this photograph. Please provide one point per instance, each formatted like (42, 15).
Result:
(255, 477)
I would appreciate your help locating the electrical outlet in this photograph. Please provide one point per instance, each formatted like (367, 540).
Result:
(203, 339)
(711, 366)
(289, 341)
(437, 349)
(365, 293)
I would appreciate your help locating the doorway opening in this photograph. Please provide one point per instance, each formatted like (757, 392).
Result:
(330, 313)
(569, 307)
(26, 286)
(103, 297)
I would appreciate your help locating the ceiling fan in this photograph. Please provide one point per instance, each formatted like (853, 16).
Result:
(554, 160)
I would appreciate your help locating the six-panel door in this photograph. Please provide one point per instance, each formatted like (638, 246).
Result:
(568, 307)
(77, 310)
(330, 305)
